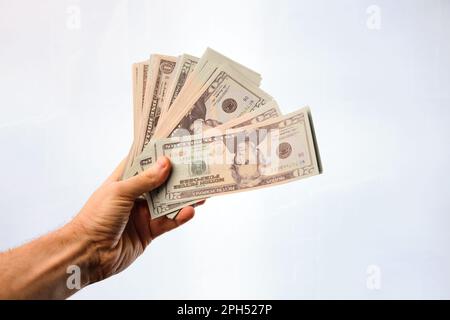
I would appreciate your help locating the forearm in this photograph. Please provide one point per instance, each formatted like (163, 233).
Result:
(41, 268)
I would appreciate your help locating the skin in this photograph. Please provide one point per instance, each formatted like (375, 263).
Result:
(108, 234)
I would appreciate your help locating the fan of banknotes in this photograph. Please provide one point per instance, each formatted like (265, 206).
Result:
(222, 133)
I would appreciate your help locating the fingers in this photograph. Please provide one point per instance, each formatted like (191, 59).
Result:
(200, 203)
(147, 180)
(164, 224)
(140, 218)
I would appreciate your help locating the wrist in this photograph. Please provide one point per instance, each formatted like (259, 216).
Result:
(88, 259)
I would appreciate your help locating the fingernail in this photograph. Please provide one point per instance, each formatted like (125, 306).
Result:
(162, 162)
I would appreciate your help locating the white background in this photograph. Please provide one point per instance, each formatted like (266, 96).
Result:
(380, 101)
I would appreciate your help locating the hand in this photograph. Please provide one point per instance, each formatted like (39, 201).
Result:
(118, 224)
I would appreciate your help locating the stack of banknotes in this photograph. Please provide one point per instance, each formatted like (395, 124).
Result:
(222, 133)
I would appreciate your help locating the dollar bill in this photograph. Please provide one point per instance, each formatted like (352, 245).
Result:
(205, 68)
(225, 96)
(143, 75)
(262, 114)
(185, 67)
(212, 57)
(277, 151)
(162, 73)
(154, 78)
(137, 112)
(134, 73)
(258, 115)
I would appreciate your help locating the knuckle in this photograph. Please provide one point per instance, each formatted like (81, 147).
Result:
(152, 177)
(117, 189)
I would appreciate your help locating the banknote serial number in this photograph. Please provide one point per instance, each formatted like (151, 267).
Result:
(225, 309)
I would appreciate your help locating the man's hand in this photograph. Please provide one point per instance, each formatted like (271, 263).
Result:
(108, 234)
(118, 224)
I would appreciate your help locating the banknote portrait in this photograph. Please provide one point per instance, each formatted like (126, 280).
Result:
(247, 162)
(195, 121)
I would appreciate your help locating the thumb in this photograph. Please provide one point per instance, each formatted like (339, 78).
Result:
(147, 180)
